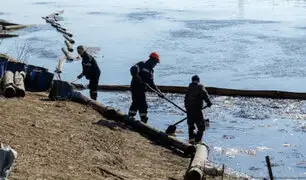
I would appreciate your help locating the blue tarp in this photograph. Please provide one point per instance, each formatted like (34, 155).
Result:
(37, 78)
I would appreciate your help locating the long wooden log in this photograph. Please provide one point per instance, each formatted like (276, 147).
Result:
(56, 25)
(5, 35)
(151, 132)
(199, 166)
(160, 136)
(216, 91)
(8, 84)
(19, 83)
(14, 27)
(67, 54)
(196, 169)
(6, 23)
(69, 46)
(68, 38)
(64, 32)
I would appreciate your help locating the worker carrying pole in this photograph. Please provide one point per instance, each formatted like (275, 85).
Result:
(91, 71)
(194, 97)
(142, 77)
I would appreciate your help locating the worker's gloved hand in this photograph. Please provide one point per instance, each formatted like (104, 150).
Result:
(160, 94)
(209, 104)
(80, 76)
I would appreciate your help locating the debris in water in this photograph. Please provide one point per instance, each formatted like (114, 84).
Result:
(253, 168)
(228, 137)
(289, 145)
(265, 125)
(301, 164)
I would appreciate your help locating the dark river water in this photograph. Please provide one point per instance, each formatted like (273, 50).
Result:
(242, 44)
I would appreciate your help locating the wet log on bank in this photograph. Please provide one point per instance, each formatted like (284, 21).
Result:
(68, 38)
(6, 23)
(64, 31)
(19, 83)
(8, 84)
(67, 54)
(217, 91)
(159, 136)
(69, 46)
(197, 168)
(110, 113)
(14, 27)
(145, 129)
(5, 35)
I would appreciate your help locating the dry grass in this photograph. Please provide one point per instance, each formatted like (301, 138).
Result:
(62, 140)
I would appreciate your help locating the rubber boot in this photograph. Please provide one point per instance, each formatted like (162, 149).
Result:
(191, 136)
(144, 119)
(93, 95)
(198, 137)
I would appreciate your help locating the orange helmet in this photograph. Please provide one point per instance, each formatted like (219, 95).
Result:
(155, 56)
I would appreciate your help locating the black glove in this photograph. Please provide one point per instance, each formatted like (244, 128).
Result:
(209, 104)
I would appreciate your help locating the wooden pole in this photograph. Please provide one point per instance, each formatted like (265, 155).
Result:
(8, 83)
(269, 167)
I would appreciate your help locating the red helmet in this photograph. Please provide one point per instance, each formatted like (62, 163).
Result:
(155, 56)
